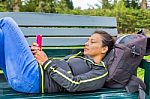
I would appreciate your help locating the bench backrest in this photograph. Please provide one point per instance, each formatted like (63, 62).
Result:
(62, 34)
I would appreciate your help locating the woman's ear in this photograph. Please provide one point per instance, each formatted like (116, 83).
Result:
(104, 49)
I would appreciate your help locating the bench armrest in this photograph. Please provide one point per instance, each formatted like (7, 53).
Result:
(146, 66)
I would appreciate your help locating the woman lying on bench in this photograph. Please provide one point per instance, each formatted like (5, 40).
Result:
(24, 68)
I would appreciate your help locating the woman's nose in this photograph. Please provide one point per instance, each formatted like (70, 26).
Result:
(86, 43)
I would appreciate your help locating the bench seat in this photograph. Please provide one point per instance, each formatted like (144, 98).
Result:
(7, 92)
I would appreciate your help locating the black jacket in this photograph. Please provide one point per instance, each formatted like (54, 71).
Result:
(74, 73)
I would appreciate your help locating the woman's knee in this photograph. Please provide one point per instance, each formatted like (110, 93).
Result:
(6, 21)
(20, 85)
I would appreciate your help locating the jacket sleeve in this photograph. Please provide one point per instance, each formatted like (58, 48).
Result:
(92, 80)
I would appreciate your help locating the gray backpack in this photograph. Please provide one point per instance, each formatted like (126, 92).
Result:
(123, 60)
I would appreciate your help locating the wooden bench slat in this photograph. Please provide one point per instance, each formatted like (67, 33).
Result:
(49, 19)
(61, 52)
(60, 41)
(54, 32)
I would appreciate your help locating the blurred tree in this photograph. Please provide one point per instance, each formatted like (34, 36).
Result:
(16, 5)
(127, 3)
(52, 5)
(3, 5)
(144, 4)
(105, 4)
(69, 4)
(64, 6)
(46, 6)
(131, 3)
(134, 4)
(10, 5)
(49, 6)
(29, 5)
(39, 6)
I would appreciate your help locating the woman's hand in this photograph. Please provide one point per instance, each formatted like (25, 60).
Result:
(40, 55)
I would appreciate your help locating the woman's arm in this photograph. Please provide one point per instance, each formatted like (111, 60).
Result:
(92, 80)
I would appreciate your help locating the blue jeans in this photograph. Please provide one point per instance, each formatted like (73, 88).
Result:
(16, 59)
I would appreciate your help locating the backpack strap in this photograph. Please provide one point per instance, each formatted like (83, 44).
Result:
(141, 93)
(119, 39)
(135, 84)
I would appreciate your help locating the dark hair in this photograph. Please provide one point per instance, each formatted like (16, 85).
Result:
(107, 39)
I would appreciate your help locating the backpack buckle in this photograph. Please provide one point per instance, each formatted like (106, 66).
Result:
(135, 51)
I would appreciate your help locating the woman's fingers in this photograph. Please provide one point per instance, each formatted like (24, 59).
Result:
(34, 48)
(35, 44)
(34, 52)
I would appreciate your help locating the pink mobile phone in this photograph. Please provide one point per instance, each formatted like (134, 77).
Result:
(39, 40)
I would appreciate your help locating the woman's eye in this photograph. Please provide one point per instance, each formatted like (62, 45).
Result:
(92, 41)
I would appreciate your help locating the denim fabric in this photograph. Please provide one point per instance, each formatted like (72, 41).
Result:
(16, 59)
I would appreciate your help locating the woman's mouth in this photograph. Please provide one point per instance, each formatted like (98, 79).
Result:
(86, 49)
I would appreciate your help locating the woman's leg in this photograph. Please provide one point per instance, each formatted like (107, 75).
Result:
(2, 59)
(17, 61)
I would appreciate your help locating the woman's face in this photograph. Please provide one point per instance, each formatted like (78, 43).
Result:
(93, 47)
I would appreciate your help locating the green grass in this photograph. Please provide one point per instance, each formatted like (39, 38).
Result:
(1, 72)
(140, 71)
(147, 57)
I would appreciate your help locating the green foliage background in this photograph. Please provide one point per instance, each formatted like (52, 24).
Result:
(130, 18)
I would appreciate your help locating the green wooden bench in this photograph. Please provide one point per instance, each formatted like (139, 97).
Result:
(63, 35)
